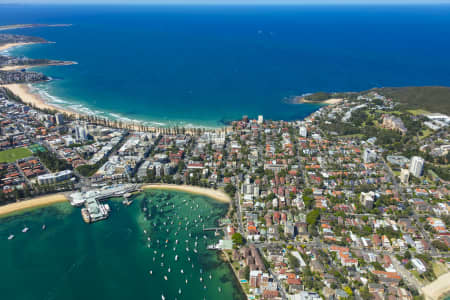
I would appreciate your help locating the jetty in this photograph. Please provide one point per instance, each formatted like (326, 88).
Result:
(104, 193)
(93, 209)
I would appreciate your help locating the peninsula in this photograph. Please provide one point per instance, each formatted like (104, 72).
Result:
(22, 26)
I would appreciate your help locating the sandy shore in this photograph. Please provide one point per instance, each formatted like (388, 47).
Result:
(23, 92)
(300, 100)
(438, 288)
(329, 101)
(215, 194)
(31, 204)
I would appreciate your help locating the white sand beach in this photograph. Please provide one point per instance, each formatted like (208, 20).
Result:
(215, 194)
(438, 288)
(31, 204)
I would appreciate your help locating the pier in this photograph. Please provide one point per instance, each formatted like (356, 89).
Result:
(93, 209)
(119, 190)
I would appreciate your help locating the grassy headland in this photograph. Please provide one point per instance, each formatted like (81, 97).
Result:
(435, 99)
(430, 98)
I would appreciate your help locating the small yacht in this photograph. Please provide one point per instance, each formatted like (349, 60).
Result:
(179, 291)
(176, 257)
(165, 277)
(43, 227)
(25, 229)
(150, 272)
(11, 237)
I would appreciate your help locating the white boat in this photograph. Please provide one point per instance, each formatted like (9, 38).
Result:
(43, 227)
(150, 272)
(25, 229)
(176, 257)
(162, 297)
(179, 291)
(168, 270)
(220, 290)
(11, 237)
(165, 277)
(182, 272)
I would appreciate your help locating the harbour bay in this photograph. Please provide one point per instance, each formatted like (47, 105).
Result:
(112, 259)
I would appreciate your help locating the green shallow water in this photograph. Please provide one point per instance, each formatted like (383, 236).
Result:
(111, 259)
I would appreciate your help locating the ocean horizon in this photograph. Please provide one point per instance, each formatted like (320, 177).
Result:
(208, 65)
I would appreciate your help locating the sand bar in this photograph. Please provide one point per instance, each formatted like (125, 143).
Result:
(438, 288)
(32, 204)
(215, 194)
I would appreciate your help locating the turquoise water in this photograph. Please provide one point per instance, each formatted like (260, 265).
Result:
(209, 65)
(111, 259)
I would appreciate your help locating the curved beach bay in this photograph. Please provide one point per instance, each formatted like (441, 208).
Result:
(112, 259)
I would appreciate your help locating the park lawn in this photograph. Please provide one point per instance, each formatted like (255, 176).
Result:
(11, 155)
(419, 111)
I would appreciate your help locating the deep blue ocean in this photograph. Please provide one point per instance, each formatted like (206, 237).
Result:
(208, 65)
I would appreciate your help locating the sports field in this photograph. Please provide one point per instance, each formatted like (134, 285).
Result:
(11, 155)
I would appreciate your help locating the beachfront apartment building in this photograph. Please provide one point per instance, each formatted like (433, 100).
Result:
(53, 178)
